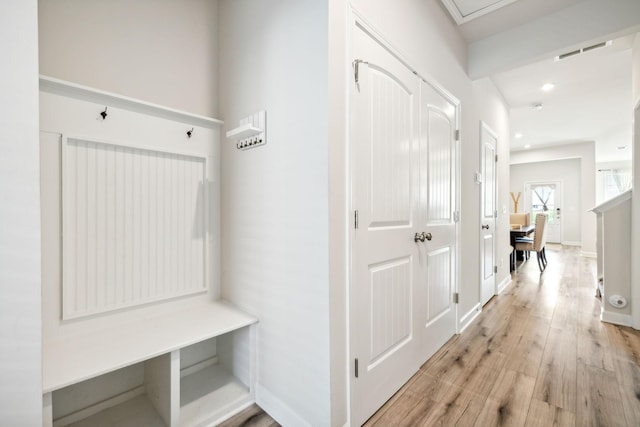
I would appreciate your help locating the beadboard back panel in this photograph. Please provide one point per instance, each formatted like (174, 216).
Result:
(133, 226)
(130, 209)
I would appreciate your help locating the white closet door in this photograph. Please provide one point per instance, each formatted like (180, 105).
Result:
(385, 257)
(438, 204)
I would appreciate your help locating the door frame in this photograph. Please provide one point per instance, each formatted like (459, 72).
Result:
(527, 201)
(485, 127)
(356, 19)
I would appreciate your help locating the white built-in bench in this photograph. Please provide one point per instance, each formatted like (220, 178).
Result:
(218, 384)
(133, 330)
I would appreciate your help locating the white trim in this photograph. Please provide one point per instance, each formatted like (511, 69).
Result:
(570, 243)
(503, 285)
(613, 202)
(460, 19)
(616, 318)
(85, 93)
(360, 21)
(588, 254)
(277, 409)
(469, 317)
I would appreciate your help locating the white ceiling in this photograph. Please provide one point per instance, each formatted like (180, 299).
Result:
(592, 97)
(591, 101)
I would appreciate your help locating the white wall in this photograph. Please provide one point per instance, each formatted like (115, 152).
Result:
(273, 56)
(584, 151)
(160, 51)
(568, 172)
(20, 319)
(635, 202)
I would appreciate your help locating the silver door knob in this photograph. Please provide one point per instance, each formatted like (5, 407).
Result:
(485, 227)
(418, 237)
(427, 236)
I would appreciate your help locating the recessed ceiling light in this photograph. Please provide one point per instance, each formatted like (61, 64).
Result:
(527, 146)
(547, 87)
(537, 106)
(518, 135)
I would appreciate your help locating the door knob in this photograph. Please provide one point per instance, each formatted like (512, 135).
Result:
(419, 237)
(485, 227)
(427, 236)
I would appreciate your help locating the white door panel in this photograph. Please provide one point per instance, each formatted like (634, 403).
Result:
(488, 142)
(546, 197)
(438, 162)
(384, 255)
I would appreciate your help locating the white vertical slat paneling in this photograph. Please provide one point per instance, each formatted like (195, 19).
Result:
(101, 233)
(391, 157)
(129, 216)
(438, 283)
(439, 167)
(91, 232)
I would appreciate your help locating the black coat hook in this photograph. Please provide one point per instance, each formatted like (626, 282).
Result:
(104, 113)
(189, 132)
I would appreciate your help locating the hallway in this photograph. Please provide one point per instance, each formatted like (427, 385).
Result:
(538, 355)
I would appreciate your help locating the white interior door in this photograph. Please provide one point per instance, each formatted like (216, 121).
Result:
(488, 214)
(385, 259)
(437, 218)
(546, 197)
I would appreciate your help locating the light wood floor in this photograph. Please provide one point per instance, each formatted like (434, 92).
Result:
(537, 355)
(253, 416)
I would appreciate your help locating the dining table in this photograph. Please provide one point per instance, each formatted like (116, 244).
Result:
(515, 232)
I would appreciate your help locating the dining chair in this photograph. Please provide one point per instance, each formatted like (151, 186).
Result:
(537, 244)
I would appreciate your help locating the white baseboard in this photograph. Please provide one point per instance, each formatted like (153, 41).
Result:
(569, 243)
(469, 317)
(503, 285)
(277, 409)
(588, 254)
(616, 318)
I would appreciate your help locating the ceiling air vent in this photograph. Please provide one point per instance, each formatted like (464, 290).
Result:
(583, 50)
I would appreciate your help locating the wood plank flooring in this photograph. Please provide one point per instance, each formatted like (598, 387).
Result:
(253, 416)
(537, 355)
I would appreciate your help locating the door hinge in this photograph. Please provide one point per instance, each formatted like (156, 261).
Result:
(456, 216)
(495, 269)
(495, 213)
(456, 298)
(356, 367)
(457, 135)
(355, 219)
(496, 158)
(356, 68)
